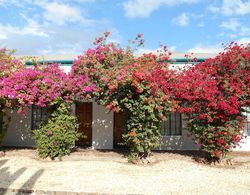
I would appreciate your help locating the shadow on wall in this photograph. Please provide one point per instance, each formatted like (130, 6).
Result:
(19, 132)
(171, 143)
(183, 142)
(102, 133)
(8, 178)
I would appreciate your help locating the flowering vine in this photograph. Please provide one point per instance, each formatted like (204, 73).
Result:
(125, 83)
(8, 65)
(213, 95)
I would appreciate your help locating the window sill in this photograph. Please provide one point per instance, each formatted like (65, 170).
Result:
(175, 136)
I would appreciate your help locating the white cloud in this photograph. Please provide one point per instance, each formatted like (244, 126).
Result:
(201, 24)
(232, 7)
(200, 48)
(213, 8)
(244, 31)
(233, 36)
(144, 8)
(3, 36)
(31, 28)
(172, 48)
(5, 3)
(244, 40)
(216, 48)
(45, 30)
(59, 13)
(182, 20)
(58, 40)
(231, 24)
(61, 41)
(237, 29)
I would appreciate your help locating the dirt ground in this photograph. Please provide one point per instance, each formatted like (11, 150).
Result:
(93, 171)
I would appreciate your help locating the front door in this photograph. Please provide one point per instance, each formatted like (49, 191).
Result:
(84, 115)
(120, 120)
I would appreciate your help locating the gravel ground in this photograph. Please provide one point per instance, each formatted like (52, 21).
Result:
(108, 172)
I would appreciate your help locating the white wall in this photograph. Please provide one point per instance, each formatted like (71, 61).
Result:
(19, 132)
(102, 128)
(244, 145)
(185, 142)
(66, 68)
(245, 142)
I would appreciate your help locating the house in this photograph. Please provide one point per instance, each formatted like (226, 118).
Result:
(104, 129)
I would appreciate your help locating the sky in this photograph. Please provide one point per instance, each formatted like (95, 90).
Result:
(42, 27)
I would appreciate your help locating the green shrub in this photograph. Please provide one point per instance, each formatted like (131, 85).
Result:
(57, 136)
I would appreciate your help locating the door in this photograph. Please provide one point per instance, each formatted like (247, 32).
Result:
(84, 115)
(119, 128)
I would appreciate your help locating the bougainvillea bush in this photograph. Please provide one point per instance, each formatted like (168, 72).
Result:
(47, 86)
(125, 83)
(42, 86)
(57, 136)
(213, 94)
(8, 65)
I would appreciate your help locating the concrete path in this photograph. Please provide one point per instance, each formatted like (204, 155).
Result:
(111, 174)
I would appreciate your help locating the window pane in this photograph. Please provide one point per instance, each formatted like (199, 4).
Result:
(39, 115)
(248, 128)
(173, 125)
(1, 122)
(247, 120)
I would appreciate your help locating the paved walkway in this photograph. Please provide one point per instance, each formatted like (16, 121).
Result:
(176, 174)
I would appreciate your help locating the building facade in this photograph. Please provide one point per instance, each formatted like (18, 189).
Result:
(104, 130)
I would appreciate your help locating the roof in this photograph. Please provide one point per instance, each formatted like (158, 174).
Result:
(67, 59)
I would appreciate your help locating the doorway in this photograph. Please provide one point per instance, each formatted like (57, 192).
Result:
(84, 114)
(120, 128)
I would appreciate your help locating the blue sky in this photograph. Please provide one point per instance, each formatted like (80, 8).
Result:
(60, 26)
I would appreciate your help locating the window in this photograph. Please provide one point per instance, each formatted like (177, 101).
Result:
(173, 125)
(248, 123)
(39, 114)
(248, 128)
(1, 122)
(246, 113)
